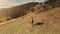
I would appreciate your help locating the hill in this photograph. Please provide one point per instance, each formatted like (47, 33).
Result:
(15, 12)
(50, 19)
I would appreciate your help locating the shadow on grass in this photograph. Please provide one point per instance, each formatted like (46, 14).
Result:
(38, 23)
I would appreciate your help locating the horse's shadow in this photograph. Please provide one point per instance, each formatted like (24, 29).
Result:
(38, 23)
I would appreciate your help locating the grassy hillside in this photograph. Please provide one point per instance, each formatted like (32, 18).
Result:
(50, 19)
(16, 11)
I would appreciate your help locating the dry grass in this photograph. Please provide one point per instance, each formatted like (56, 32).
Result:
(51, 20)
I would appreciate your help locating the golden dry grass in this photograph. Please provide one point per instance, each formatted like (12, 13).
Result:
(51, 20)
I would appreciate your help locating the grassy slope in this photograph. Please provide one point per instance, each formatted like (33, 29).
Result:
(51, 24)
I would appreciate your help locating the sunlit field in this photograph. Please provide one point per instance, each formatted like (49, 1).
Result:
(31, 18)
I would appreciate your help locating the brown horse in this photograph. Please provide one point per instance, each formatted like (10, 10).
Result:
(31, 20)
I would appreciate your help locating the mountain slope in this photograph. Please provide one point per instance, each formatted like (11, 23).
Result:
(50, 19)
(16, 11)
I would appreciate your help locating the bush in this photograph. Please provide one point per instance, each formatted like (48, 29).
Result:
(32, 10)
